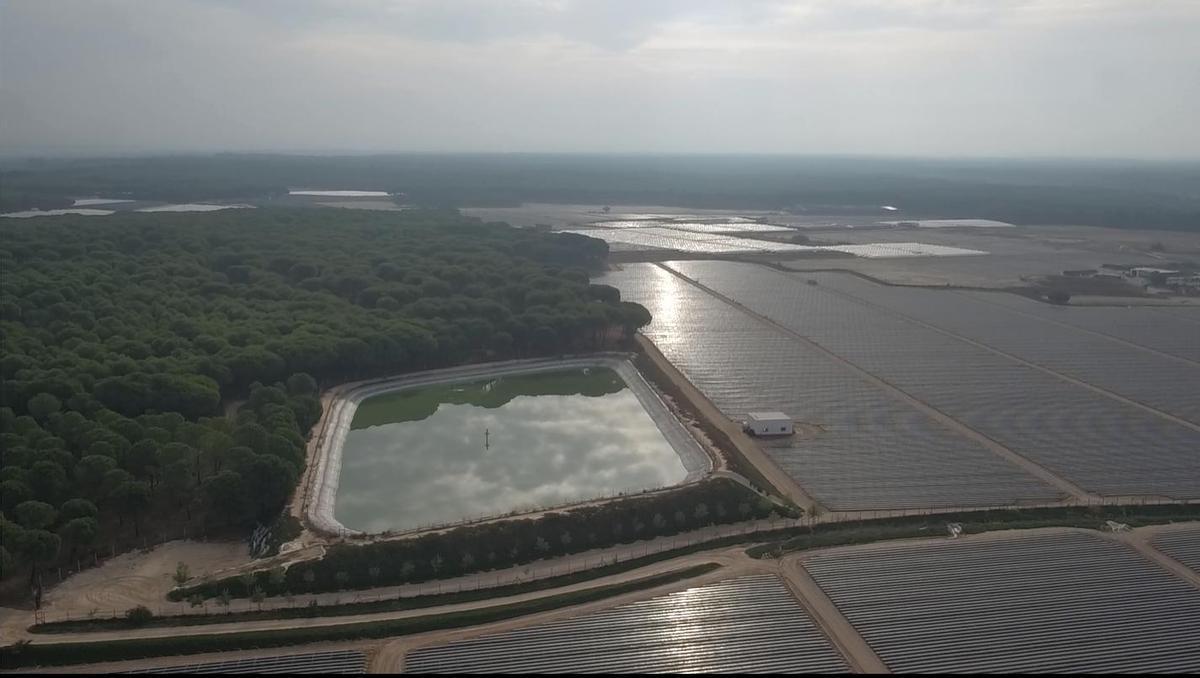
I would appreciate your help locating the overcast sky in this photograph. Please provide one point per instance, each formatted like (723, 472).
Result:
(908, 77)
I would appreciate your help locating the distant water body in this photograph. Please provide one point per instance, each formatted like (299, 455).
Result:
(55, 213)
(89, 202)
(343, 194)
(193, 207)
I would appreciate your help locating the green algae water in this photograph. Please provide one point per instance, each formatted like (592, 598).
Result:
(443, 453)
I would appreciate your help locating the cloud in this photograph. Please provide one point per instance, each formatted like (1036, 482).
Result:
(1078, 77)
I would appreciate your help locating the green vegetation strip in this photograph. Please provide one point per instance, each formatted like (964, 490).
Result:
(502, 544)
(390, 605)
(972, 522)
(60, 654)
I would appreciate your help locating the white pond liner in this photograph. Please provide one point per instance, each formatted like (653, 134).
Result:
(323, 492)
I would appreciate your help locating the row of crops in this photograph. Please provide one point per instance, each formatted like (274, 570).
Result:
(864, 449)
(1175, 331)
(1098, 442)
(750, 624)
(1057, 602)
(1144, 376)
(334, 662)
(1182, 544)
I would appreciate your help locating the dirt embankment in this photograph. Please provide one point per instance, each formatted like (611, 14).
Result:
(740, 452)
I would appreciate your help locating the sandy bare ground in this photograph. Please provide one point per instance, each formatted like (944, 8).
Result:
(131, 579)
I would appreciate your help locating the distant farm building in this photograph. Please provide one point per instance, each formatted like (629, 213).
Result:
(1188, 283)
(1146, 275)
(768, 424)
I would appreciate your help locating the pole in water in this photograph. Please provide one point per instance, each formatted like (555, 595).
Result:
(486, 438)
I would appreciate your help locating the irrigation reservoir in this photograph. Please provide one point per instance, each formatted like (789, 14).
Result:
(443, 449)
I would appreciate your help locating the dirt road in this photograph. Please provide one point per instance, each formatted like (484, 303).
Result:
(728, 558)
(843, 635)
(749, 450)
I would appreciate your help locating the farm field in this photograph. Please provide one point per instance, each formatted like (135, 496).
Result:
(1061, 601)
(863, 449)
(1189, 313)
(337, 662)
(1095, 441)
(1013, 254)
(1144, 376)
(1160, 329)
(1182, 544)
(750, 624)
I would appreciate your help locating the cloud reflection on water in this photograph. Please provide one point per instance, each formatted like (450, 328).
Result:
(543, 451)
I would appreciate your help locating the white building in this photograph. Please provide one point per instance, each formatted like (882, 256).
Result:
(768, 424)
(1188, 281)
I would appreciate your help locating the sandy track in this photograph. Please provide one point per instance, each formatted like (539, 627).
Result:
(730, 559)
(747, 447)
(130, 579)
(1139, 540)
(839, 630)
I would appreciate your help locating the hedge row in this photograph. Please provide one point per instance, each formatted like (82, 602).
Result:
(973, 522)
(60, 654)
(392, 604)
(504, 544)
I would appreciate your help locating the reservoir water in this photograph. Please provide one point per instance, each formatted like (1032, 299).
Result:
(441, 454)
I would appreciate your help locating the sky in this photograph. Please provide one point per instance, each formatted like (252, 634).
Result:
(948, 78)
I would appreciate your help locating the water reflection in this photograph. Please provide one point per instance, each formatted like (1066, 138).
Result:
(455, 452)
(56, 213)
(192, 207)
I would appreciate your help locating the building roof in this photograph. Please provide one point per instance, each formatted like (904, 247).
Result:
(768, 416)
(1150, 269)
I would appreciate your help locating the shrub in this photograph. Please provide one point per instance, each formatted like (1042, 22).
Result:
(139, 616)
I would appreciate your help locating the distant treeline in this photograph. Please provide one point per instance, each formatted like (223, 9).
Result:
(1115, 194)
(126, 337)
